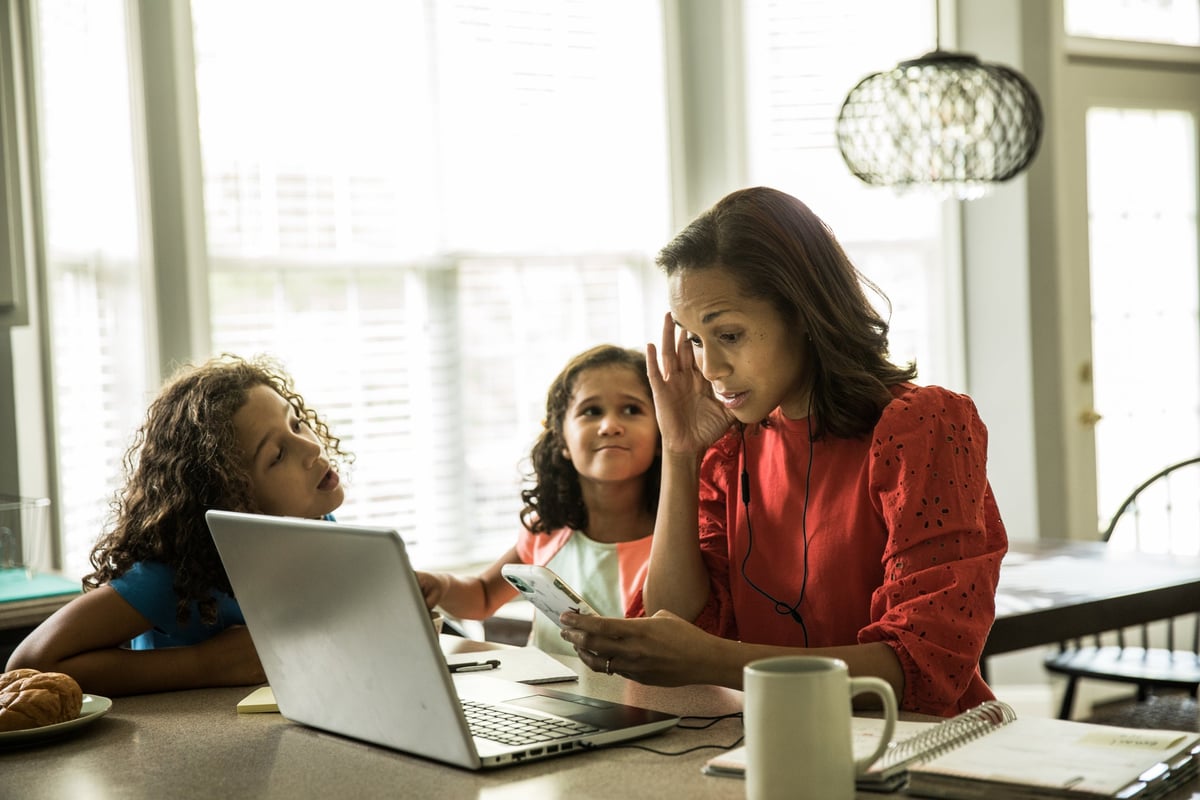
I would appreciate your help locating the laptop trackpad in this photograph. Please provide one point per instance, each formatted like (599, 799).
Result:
(551, 705)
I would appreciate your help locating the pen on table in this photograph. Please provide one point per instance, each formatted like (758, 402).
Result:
(475, 666)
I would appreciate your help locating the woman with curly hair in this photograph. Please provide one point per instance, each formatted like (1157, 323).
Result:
(589, 512)
(157, 612)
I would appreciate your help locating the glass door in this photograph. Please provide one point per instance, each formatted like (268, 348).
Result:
(1133, 276)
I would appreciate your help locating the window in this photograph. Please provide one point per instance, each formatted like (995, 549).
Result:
(93, 259)
(1163, 21)
(803, 58)
(424, 209)
(1145, 300)
(427, 222)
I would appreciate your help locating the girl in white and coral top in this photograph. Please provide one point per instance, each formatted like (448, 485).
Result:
(589, 513)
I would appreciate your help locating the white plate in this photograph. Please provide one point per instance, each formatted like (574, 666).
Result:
(94, 707)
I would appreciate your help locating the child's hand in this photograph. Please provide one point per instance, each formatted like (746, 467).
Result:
(231, 658)
(433, 587)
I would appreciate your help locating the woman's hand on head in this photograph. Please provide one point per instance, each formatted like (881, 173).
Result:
(662, 650)
(689, 416)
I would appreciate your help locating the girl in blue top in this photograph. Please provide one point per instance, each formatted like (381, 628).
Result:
(157, 612)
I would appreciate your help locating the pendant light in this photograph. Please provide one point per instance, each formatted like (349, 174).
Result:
(945, 121)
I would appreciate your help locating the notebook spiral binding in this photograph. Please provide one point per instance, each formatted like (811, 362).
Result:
(950, 734)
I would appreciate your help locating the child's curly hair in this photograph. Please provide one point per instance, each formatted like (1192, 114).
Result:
(184, 460)
(555, 499)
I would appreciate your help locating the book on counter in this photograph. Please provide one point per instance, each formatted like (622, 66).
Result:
(988, 752)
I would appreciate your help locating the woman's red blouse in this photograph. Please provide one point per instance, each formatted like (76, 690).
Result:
(903, 539)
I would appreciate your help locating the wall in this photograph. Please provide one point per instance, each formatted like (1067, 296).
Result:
(999, 334)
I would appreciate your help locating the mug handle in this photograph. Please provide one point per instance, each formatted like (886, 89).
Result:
(882, 688)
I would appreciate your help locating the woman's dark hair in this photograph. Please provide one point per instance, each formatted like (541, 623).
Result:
(776, 249)
(184, 460)
(555, 498)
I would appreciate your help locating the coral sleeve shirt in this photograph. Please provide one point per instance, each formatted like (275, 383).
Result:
(901, 542)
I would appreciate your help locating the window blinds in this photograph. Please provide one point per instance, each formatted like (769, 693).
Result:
(435, 251)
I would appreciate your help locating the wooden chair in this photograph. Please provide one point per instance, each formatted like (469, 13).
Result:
(1151, 518)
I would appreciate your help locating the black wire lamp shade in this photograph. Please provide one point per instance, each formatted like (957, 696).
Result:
(944, 121)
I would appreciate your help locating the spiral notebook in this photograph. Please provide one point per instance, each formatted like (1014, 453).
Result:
(988, 752)
(1044, 758)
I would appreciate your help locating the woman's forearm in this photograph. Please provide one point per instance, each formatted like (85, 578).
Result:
(876, 659)
(677, 579)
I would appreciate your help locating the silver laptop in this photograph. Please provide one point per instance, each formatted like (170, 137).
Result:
(343, 634)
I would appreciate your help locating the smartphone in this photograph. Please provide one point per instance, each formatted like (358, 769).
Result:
(549, 593)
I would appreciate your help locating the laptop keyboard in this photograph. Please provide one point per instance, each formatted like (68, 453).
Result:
(514, 728)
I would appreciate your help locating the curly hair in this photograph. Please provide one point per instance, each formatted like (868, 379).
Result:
(555, 498)
(776, 249)
(184, 460)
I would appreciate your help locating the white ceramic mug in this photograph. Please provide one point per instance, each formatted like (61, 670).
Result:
(797, 718)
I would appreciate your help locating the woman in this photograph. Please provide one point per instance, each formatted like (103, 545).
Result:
(814, 500)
